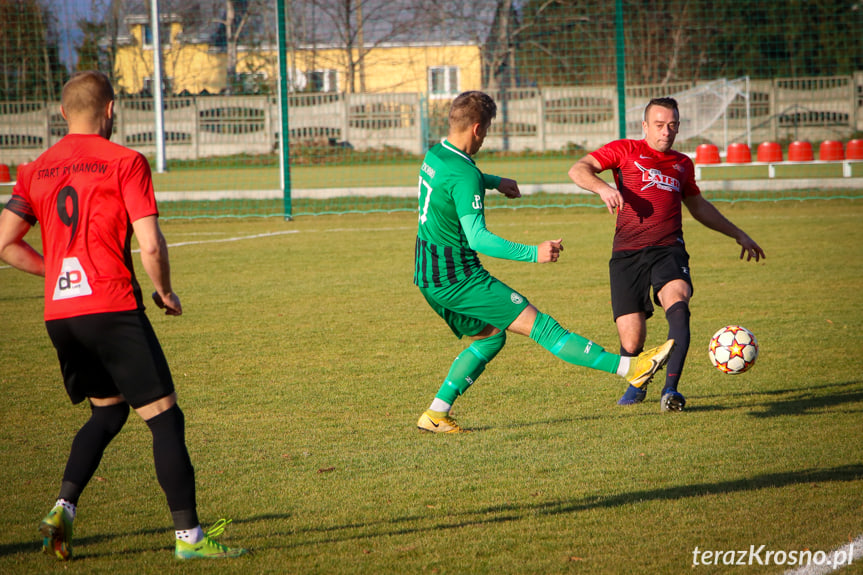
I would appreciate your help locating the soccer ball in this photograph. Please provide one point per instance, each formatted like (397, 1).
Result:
(733, 349)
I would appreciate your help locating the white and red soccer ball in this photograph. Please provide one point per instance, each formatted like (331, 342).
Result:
(733, 349)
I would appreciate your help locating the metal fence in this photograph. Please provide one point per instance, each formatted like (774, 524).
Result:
(536, 119)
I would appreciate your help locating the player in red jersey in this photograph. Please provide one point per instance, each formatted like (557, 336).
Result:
(652, 182)
(90, 196)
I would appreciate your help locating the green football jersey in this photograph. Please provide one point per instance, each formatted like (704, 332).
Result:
(450, 186)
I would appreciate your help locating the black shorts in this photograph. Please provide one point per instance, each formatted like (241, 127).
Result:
(633, 273)
(109, 354)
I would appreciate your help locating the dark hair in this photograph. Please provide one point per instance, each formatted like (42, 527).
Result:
(470, 108)
(669, 103)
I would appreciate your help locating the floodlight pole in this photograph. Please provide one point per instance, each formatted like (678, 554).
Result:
(157, 87)
(284, 148)
(619, 48)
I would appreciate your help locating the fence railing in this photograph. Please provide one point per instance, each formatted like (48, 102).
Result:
(546, 119)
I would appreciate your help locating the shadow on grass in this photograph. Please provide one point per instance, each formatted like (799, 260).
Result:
(798, 401)
(35, 545)
(510, 424)
(78, 554)
(810, 399)
(853, 472)
(276, 526)
(504, 513)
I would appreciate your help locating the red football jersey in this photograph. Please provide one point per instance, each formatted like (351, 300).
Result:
(86, 191)
(653, 185)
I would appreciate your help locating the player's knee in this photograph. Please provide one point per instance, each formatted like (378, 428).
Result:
(110, 418)
(631, 350)
(678, 311)
(489, 347)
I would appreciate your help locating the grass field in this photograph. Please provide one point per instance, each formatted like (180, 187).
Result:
(547, 170)
(305, 356)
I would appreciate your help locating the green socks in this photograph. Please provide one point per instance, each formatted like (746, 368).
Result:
(469, 365)
(571, 347)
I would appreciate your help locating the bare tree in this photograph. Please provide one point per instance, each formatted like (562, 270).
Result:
(30, 65)
(356, 27)
(499, 52)
(98, 48)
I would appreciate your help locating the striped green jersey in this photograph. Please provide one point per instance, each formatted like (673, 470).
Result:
(450, 186)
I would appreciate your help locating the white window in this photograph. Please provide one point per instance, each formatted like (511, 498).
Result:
(323, 81)
(296, 80)
(167, 84)
(147, 36)
(443, 81)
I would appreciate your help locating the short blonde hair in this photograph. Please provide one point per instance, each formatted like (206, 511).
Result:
(86, 94)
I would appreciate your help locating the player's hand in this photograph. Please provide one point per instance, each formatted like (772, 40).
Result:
(509, 188)
(549, 251)
(612, 199)
(750, 249)
(170, 303)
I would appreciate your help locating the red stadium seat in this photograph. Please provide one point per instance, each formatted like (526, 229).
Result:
(738, 154)
(800, 152)
(854, 150)
(706, 154)
(769, 152)
(831, 151)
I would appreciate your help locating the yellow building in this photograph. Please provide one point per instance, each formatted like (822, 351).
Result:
(191, 65)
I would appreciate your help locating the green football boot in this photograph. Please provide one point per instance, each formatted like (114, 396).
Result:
(56, 530)
(207, 548)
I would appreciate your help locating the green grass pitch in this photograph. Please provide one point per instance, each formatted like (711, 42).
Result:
(526, 170)
(305, 356)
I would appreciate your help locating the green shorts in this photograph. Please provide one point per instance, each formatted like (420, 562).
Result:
(470, 305)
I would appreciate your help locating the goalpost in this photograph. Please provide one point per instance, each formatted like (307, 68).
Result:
(704, 113)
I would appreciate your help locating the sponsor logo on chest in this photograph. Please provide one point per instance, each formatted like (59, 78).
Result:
(651, 177)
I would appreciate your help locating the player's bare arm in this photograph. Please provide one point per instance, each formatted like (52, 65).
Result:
(154, 257)
(585, 175)
(509, 188)
(548, 252)
(707, 214)
(13, 249)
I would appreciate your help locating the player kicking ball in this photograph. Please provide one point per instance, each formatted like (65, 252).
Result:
(474, 304)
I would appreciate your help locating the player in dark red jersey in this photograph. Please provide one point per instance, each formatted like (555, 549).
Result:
(90, 196)
(652, 182)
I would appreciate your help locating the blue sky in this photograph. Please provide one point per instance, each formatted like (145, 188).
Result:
(68, 12)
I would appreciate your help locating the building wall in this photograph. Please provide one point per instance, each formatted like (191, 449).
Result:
(387, 69)
(190, 67)
(394, 69)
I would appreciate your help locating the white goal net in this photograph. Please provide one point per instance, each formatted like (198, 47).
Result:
(704, 112)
